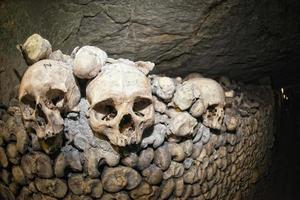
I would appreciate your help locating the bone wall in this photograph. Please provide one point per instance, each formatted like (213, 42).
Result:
(207, 164)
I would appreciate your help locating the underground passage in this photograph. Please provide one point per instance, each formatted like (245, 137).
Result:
(149, 100)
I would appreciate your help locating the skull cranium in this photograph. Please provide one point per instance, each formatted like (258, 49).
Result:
(47, 88)
(120, 103)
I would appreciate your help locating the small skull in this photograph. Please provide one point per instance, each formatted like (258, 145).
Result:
(47, 88)
(120, 103)
(213, 117)
(213, 99)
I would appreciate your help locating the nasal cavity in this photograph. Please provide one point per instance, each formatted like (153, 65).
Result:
(126, 124)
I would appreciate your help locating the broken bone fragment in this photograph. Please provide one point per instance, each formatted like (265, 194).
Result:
(35, 48)
(157, 136)
(101, 154)
(68, 158)
(59, 56)
(145, 66)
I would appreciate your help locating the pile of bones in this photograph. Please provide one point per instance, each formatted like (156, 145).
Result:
(124, 133)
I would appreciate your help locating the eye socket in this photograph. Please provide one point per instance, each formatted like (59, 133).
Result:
(105, 110)
(40, 116)
(28, 104)
(54, 97)
(141, 106)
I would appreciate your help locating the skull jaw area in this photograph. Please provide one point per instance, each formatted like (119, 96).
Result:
(120, 136)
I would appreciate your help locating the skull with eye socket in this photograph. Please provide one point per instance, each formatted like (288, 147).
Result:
(120, 103)
(48, 88)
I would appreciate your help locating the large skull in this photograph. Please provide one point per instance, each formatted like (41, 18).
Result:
(47, 88)
(120, 103)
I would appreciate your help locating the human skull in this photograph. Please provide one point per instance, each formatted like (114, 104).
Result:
(204, 96)
(213, 99)
(120, 103)
(47, 88)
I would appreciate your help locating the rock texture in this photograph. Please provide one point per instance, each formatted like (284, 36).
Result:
(244, 39)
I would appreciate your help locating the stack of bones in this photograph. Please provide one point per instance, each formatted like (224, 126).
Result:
(124, 133)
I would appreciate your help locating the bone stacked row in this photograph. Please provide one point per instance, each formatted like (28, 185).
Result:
(134, 135)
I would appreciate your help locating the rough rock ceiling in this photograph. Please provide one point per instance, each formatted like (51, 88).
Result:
(241, 39)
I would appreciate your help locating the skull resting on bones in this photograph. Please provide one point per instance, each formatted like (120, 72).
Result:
(120, 103)
(47, 89)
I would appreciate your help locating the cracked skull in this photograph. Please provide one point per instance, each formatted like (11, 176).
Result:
(47, 89)
(120, 103)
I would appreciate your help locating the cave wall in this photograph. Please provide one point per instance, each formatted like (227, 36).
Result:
(242, 39)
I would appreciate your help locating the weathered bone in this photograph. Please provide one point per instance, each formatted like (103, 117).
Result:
(68, 158)
(80, 185)
(3, 158)
(163, 87)
(162, 157)
(36, 164)
(6, 176)
(199, 130)
(176, 151)
(145, 191)
(88, 62)
(130, 160)
(52, 187)
(117, 178)
(157, 137)
(175, 170)
(159, 106)
(40, 196)
(167, 188)
(12, 153)
(197, 108)
(181, 123)
(35, 48)
(5, 193)
(153, 174)
(145, 158)
(145, 67)
(190, 176)
(179, 187)
(187, 147)
(59, 56)
(22, 140)
(18, 175)
(116, 196)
